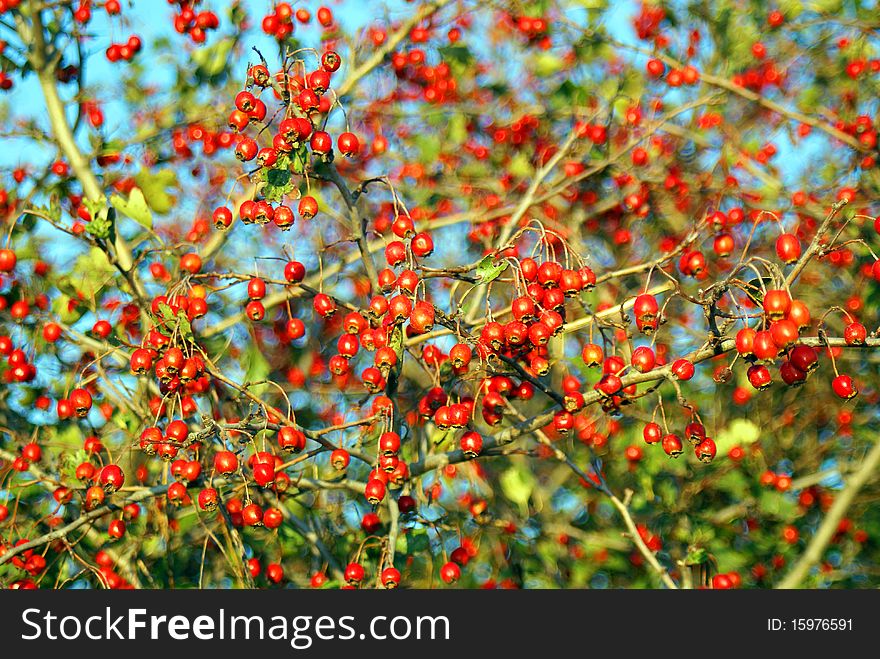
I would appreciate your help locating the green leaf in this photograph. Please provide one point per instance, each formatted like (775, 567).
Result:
(165, 311)
(69, 314)
(95, 206)
(546, 64)
(457, 130)
(517, 483)
(739, 432)
(279, 181)
(520, 166)
(777, 504)
(155, 186)
(459, 54)
(258, 368)
(278, 177)
(90, 272)
(135, 207)
(696, 557)
(429, 147)
(99, 227)
(395, 342)
(212, 60)
(184, 326)
(489, 269)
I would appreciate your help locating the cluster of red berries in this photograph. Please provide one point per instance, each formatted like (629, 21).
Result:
(784, 319)
(167, 351)
(695, 433)
(195, 24)
(279, 23)
(211, 141)
(535, 29)
(19, 369)
(305, 101)
(435, 84)
(124, 51)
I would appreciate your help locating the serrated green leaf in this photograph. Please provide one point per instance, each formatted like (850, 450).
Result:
(165, 311)
(489, 269)
(184, 326)
(278, 177)
(134, 207)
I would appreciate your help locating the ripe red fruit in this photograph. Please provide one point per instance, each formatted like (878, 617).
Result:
(325, 16)
(294, 272)
(274, 572)
(784, 333)
(374, 491)
(354, 573)
(208, 499)
(116, 529)
(340, 459)
(655, 68)
(81, 400)
(450, 572)
(272, 519)
(672, 445)
(330, 61)
(805, 358)
(225, 462)
(683, 369)
(777, 302)
(855, 334)
(93, 497)
(592, 354)
(706, 450)
(652, 433)
(745, 341)
(643, 359)
(111, 478)
(791, 374)
(723, 245)
(844, 387)
(324, 305)
(291, 440)
(764, 347)
(7, 260)
(390, 577)
(471, 444)
(252, 515)
(348, 144)
(788, 248)
(389, 443)
(321, 142)
(759, 376)
(422, 245)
